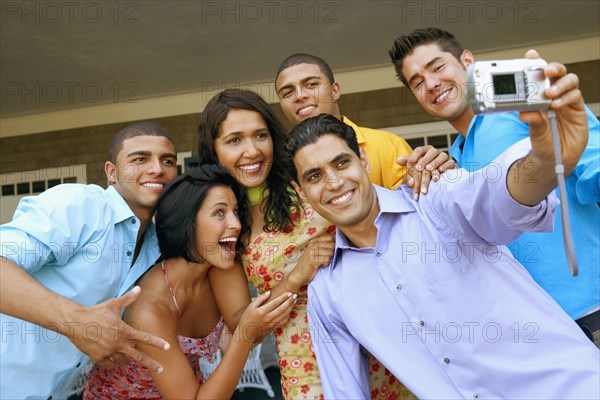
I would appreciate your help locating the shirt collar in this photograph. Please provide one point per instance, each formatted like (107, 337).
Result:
(119, 205)
(359, 137)
(390, 202)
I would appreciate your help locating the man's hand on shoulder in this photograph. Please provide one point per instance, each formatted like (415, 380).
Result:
(426, 163)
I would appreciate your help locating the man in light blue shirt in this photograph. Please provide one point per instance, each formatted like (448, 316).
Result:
(432, 64)
(66, 255)
(427, 287)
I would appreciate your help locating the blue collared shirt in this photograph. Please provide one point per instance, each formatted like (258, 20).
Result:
(543, 254)
(78, 241)
(448, 312)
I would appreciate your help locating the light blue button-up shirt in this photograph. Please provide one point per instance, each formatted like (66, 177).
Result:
(543, 253)
(78, 241)
(446, 311)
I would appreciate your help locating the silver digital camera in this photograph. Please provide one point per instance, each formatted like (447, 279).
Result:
(507, 85)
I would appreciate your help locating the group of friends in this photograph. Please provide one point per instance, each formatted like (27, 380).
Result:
(384, 272)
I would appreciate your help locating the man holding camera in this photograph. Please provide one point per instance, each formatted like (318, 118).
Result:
(432, 64)
(424, 285)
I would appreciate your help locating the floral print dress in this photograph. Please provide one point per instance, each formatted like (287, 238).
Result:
(268, 258)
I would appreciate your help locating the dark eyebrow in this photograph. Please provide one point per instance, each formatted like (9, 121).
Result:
(139, 153)
(414, 76)
(339, 157)
(288, 85)
(335, 160)
(147, 153)
(309, 171)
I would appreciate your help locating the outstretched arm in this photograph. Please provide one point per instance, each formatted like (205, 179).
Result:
(23, 297)
(567, 103)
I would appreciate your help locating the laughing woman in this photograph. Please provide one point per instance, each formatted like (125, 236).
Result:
(198, 228)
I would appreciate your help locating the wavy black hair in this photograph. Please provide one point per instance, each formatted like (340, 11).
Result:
(179, 203)
(282, 201)
(309, 131)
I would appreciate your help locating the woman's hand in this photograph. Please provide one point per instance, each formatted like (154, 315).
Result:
(261, 317)
(316, 254)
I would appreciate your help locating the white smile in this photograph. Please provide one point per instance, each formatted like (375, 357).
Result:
(249, 167)
(153, 185)
(342, 199)
(442, 96)
(306, 110)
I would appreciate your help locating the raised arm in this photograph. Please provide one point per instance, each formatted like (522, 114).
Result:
(230, 288)
(567, 103)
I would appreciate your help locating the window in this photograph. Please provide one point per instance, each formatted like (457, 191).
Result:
(23, 188)
(38, 186)
(8, 190)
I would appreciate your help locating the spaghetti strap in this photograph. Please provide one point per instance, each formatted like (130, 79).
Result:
(162, 265)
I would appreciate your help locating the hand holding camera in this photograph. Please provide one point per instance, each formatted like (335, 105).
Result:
(531, 85)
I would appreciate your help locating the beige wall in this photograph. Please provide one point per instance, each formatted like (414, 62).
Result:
(370, 98)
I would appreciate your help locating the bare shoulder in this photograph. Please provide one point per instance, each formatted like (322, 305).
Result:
(154, 305)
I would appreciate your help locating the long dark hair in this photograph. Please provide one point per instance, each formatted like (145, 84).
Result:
(282, 201)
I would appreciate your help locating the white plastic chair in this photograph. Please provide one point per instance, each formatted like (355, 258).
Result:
(253, 375)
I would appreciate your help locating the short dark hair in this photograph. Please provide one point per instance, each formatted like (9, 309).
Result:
(179, 203)
(141, 128)
(302, 58)
(404, 45)
(280, 202)
(310, 130)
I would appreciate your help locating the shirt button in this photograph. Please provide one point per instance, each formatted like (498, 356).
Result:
(476, 396)
(78, 365)
(128, 253)
(378, 254)
(421, 323)
(398, 287)
(446, 360)
(133, 220)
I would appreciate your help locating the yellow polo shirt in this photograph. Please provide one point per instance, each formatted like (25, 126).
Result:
(382, 149)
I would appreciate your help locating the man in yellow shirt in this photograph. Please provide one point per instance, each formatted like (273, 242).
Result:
(306, 87)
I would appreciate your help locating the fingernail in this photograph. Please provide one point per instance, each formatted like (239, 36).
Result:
(429, 167)
(419, 167)
(289, 294)
(295, 296)
(159, 370)
(423, 190)
(268, 292)
(416, 196)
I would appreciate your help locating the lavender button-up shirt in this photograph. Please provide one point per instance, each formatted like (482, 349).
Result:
(443, 304)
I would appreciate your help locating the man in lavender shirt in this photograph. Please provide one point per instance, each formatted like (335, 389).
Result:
(427, 287)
